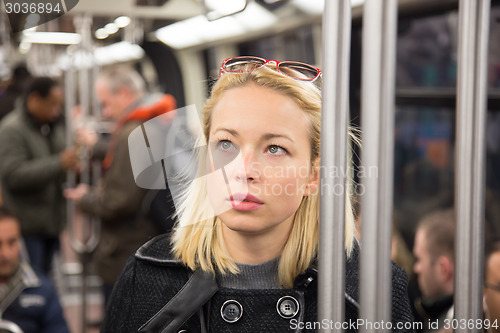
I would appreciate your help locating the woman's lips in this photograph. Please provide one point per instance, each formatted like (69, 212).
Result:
(245, 202)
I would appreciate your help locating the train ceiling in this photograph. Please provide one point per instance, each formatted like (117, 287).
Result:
(259, 16)
(153, 9)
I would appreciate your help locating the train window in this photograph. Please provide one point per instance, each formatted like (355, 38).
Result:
(426, 51)
(425, 118)
(423, 163)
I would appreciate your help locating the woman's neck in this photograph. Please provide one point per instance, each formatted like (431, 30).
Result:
(255, 248)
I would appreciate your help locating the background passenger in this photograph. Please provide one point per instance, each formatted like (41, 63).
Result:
(117, 200)
(32, 167)
(27, 298)
(434, 251)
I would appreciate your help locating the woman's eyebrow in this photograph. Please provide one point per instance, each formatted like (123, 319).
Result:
(266, 136)
(230, 131)
(269, 136)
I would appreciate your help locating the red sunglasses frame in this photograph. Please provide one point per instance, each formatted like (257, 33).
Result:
(277, 63)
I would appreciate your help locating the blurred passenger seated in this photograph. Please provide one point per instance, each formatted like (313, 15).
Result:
(434, 251)
(27, 298)
(491, 292)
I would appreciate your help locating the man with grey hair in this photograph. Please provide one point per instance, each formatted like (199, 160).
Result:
(118, 90)
(118, 201)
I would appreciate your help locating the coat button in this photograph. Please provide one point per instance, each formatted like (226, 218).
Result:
(231, 311)
(287, 307)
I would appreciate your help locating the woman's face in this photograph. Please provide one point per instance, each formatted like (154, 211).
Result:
(260, 150)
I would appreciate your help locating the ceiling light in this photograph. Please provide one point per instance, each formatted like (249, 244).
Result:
(51, 38)
(317, 7)
(101, 33)
(199, 29)
(118, 52)
(111, 28)
(312, 7)
(180, 34)
(106, 55)
(255, 17)
(220, 8)
(122, 21)
(355, 3)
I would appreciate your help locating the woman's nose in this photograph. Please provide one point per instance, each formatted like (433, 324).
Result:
(248, 167)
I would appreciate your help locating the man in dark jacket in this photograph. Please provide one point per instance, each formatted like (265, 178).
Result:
(118, 200)
(32, 168)
(27, 299)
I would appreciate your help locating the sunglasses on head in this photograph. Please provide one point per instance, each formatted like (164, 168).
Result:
(293, 69)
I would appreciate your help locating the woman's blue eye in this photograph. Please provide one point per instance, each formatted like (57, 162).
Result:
(276, 150)
(226, 145)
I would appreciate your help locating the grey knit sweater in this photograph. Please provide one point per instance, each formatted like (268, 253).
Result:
(257, 276)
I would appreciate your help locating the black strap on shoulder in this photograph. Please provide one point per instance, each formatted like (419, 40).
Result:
(200, 287)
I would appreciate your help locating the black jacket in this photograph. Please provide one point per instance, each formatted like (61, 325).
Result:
(152, 278)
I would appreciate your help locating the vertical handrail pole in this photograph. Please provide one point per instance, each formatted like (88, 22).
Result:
(473, 29)
(86, 48)
(336, 43)
(85, 244)
(69, 103)
(378, 109)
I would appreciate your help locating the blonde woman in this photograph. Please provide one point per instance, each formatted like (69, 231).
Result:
(242, 257)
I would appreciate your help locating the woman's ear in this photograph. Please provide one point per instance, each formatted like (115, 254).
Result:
(313, 183)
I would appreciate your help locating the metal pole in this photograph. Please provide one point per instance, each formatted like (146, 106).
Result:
(69, 101)
(336, 41)
(89, 226)
(470, 159)
(377, 104)
(82, 24)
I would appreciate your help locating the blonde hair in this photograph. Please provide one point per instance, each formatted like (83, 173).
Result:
(197, 239)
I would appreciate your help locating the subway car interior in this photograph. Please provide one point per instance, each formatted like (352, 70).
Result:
(177, 46)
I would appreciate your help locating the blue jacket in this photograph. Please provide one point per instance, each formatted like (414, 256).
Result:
(33, 304)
